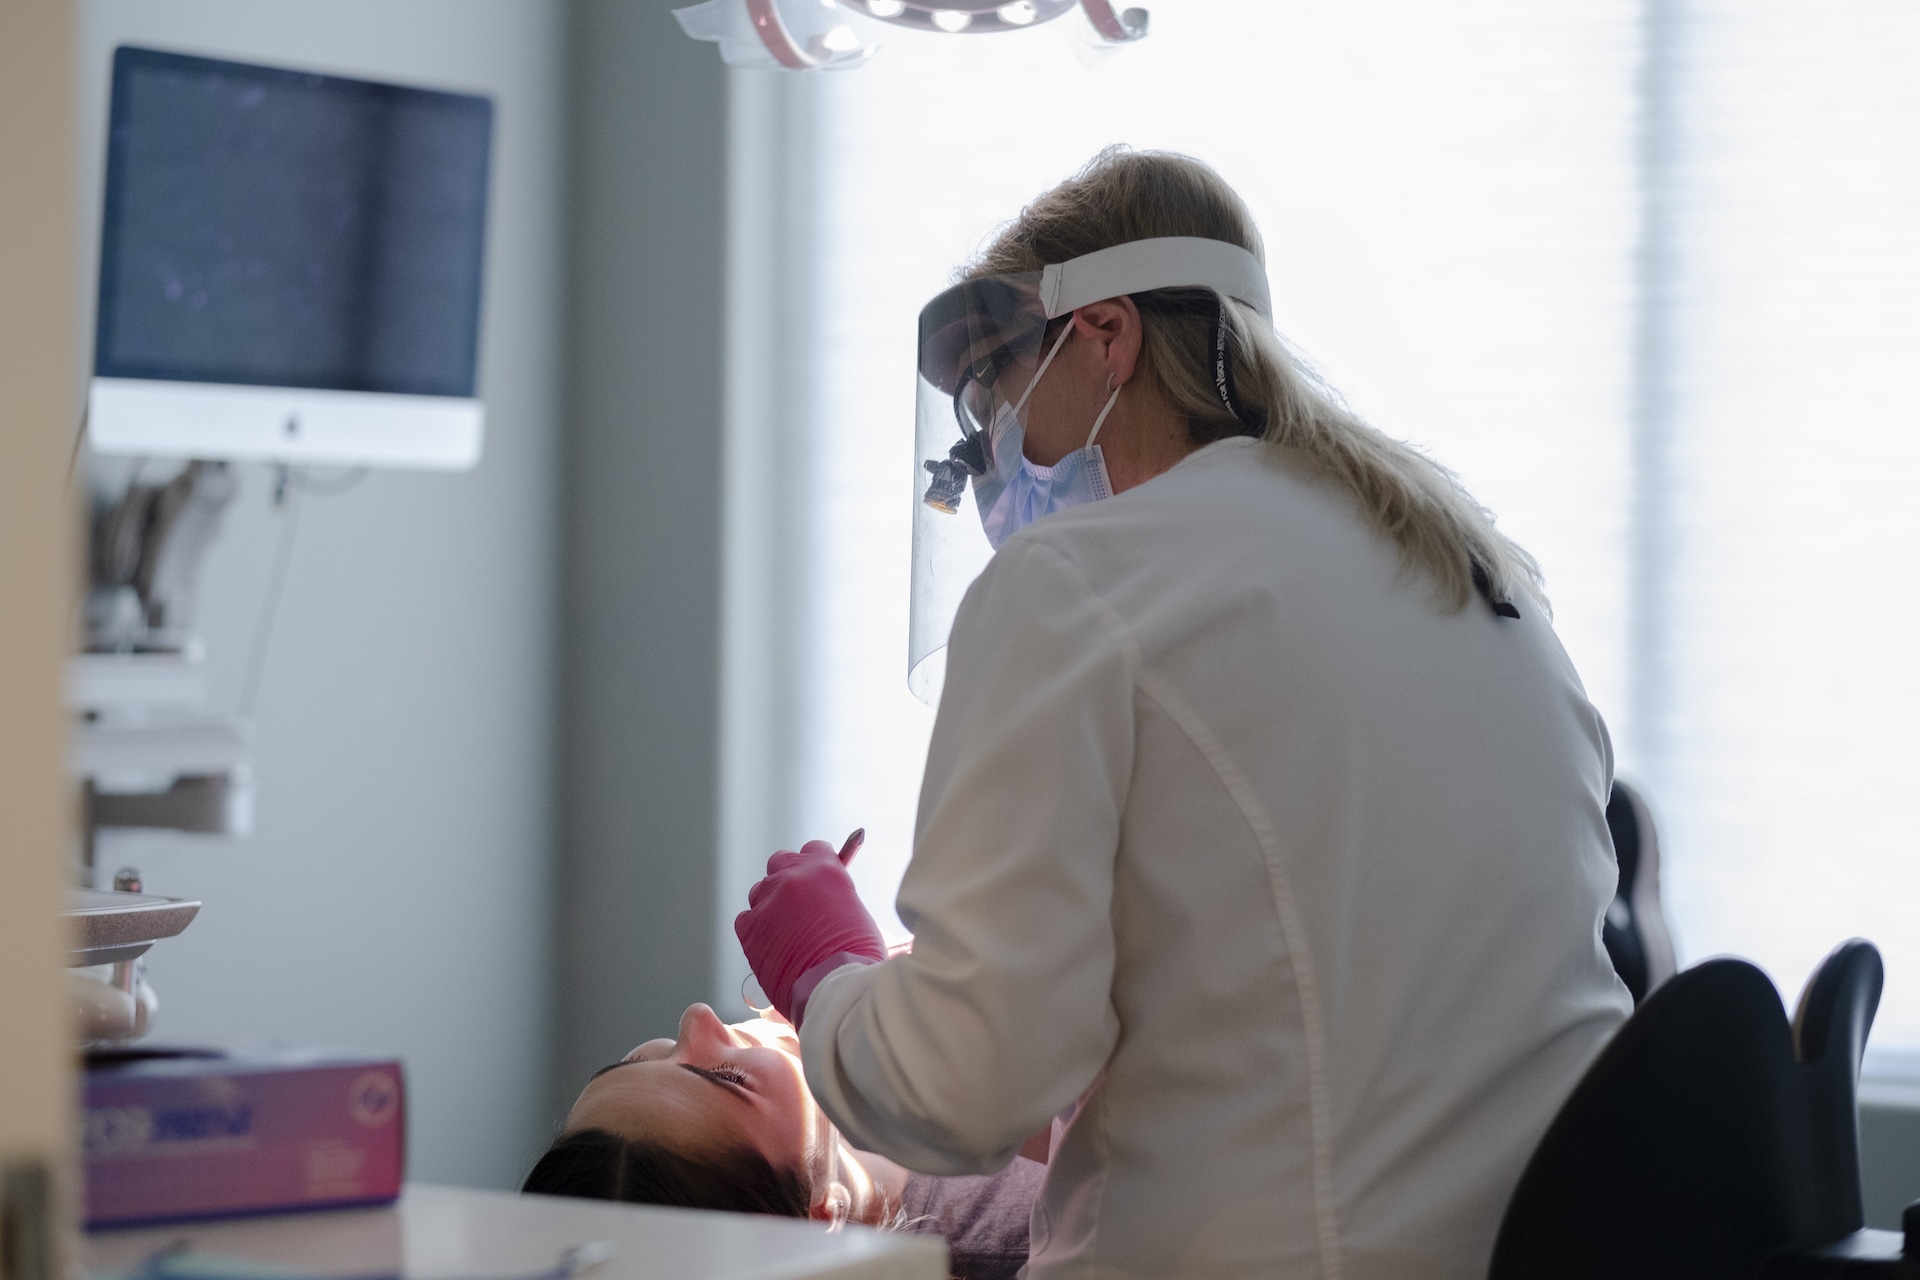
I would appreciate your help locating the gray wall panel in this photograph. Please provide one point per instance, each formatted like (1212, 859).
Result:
(642, 616)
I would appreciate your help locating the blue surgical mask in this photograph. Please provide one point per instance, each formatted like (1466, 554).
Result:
(1014, 492)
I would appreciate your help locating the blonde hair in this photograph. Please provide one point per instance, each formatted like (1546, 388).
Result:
(1124, 195)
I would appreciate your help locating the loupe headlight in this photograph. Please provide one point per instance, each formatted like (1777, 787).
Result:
(952, 473)
(969, 336)
(974, 408)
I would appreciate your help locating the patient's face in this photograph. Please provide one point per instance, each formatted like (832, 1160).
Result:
(713, 1087)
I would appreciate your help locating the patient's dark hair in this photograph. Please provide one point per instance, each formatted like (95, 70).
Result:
(594, 1164)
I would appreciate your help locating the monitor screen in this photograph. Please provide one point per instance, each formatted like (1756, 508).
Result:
(275, 228)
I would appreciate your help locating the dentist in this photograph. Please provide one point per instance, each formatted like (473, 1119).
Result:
(1262, 831)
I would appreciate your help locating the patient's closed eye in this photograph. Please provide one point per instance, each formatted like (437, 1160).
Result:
(724, 1076)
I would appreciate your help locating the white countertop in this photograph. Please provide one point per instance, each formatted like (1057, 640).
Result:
(450, 1233)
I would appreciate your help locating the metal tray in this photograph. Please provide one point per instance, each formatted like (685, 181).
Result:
(109, 926)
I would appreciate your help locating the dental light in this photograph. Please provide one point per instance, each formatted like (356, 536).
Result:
(836, 35)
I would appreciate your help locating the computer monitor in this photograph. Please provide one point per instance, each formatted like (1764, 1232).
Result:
(290, 267)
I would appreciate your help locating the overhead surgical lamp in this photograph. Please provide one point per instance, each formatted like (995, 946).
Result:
(836, 35)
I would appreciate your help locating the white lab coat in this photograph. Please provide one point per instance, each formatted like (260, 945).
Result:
(1295, 880)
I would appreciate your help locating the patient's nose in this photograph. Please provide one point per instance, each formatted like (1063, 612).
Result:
(702, 1033)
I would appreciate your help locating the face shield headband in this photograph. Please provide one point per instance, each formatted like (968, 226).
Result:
(992, 330)
(978, 330)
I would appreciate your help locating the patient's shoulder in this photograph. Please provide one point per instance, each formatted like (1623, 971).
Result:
(984, 1219)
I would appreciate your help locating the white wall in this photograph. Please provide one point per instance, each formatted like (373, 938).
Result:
(396, 892)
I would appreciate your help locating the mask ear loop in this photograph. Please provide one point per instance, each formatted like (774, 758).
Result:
(1060, 342)
(1111, 401)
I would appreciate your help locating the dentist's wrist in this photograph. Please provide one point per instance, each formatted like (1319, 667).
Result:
(804, 985)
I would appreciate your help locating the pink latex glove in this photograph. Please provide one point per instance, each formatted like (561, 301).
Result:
(804, 921)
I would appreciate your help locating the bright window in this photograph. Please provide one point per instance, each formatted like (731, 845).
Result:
(1786, 759)
(1452, 199)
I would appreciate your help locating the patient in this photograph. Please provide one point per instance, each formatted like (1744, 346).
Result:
(720, 1118)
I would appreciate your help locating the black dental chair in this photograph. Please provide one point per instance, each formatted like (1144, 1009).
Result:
(1712, 1141)
(1635, 927)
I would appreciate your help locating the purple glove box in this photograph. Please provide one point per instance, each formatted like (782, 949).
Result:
(202, 1133)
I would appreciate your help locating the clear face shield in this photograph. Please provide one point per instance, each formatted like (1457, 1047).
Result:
(984, 344)
(977, 341)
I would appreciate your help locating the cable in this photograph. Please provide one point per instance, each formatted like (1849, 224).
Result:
(289, 483)
(287, 497)
(289, 503)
